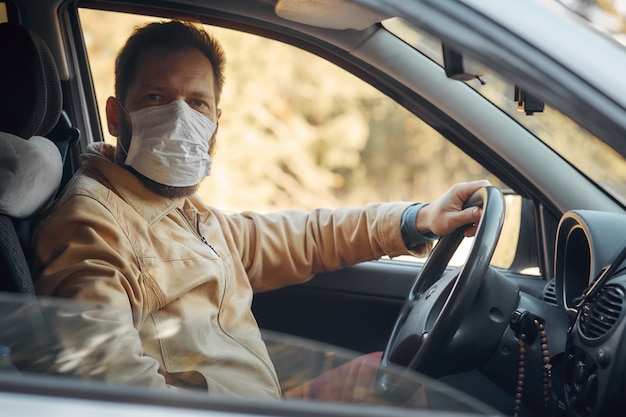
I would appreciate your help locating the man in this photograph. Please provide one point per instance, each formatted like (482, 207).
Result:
(178, 277)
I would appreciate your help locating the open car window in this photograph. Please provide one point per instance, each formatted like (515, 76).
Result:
(305, 133)
(302, 134)
(4, 16)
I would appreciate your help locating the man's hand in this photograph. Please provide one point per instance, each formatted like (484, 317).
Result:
(446, 214)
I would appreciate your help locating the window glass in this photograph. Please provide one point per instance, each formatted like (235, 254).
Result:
(3, 12)
(302, 134)
(580, 148)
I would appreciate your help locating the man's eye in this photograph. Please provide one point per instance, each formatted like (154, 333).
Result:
(199, 104)
(153, 97)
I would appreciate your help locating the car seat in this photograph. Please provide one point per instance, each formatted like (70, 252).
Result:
(31, 171)
(31, 166)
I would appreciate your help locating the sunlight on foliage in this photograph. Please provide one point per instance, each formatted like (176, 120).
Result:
(298, 132)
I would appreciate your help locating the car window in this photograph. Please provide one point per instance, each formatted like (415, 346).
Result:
(76, 343)
(302, 134)
(3, 12)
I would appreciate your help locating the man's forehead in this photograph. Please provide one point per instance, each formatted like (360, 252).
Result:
(156, 67)
(154, 57)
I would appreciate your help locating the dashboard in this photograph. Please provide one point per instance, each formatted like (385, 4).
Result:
(590, 283)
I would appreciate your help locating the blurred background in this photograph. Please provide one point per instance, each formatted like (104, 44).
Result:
(298, 133)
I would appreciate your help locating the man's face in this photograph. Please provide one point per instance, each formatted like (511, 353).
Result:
(161, 77)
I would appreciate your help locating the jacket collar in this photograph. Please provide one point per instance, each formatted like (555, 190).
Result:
(151, 206)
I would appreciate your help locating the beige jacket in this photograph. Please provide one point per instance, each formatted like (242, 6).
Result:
(181, 276)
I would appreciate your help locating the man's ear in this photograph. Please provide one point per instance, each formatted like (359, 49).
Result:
(217, 122)
(113, 111)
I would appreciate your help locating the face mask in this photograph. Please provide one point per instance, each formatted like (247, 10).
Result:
(170, 144)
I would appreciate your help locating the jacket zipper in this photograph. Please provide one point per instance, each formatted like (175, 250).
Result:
(198, 232)
(202, 238)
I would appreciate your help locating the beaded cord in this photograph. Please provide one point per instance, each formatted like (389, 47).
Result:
(521, 368)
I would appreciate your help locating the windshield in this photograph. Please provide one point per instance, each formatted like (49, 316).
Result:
(588, 153)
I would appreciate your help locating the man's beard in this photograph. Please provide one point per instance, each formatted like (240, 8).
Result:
(163, 190)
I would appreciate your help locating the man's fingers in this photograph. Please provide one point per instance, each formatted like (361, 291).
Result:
(469, 215)
(465, 190)
(473, 217)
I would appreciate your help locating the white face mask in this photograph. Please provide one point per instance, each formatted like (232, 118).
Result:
(170, 144)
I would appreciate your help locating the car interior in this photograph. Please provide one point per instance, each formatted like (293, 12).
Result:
(49, 112)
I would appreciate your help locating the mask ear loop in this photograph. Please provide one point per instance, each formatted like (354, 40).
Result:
(127, 115)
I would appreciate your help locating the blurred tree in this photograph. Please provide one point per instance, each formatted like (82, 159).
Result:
(298, 132)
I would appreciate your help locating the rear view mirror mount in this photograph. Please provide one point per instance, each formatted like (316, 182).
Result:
(459, 68)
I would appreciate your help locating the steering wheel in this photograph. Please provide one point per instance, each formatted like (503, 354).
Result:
(438, 302)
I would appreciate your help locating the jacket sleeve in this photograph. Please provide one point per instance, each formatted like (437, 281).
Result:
(82, 254)
(288, 247)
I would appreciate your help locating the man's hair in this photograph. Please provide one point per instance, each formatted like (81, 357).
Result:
(171, 35)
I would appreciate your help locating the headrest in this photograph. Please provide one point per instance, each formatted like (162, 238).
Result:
(30, 89)
(30, 174)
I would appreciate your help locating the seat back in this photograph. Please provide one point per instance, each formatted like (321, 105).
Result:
(31, 166)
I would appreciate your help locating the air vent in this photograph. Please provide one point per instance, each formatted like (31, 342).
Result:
(599, 315)
(549, 293)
